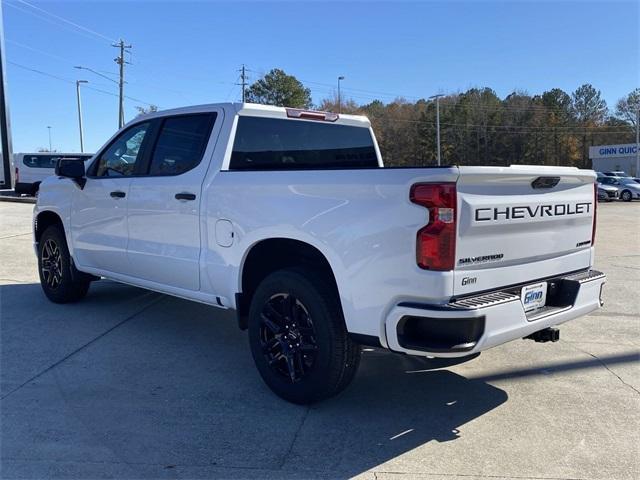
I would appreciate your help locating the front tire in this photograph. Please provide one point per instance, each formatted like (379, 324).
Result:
(60, 280)
(626, 196)
(298, 337)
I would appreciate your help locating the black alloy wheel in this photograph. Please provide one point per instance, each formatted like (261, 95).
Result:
(287, 336)
(298, 336)
(60, 280)
(51, 264)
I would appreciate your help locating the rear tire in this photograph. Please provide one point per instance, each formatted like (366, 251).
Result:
(60, 280)
(298, 337)
(626, 196)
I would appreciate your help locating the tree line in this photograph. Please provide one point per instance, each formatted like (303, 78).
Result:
(477, 127)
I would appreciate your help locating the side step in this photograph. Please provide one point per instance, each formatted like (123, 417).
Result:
(546, 335)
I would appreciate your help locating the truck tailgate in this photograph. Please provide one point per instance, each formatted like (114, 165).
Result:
(521, 223)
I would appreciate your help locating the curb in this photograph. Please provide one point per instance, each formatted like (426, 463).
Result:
(6, 198)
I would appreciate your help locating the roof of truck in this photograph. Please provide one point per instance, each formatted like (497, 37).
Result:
(257, 110)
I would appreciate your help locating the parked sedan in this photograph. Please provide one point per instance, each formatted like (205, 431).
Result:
(607, 193)
(628, 188)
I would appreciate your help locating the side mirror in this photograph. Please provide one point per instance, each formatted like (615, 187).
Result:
(72, 168)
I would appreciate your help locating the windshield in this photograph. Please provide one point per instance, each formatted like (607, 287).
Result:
(608, 181)
(628, 181)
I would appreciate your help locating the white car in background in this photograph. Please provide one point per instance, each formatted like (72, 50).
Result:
(30, 169)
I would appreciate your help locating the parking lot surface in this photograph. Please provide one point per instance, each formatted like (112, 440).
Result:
(134, 384)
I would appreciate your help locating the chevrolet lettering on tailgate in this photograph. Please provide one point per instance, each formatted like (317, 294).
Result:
(488, 214)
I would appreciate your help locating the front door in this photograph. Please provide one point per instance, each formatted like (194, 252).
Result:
(99, 210)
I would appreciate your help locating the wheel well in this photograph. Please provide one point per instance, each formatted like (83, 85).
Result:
(44, 220)
(274, 254)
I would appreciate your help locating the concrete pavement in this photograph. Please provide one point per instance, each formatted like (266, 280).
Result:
(133, 384)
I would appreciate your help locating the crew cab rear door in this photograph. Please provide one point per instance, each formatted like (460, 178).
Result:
(521, 223)
(164, 202)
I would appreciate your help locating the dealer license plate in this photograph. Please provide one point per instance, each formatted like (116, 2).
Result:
(534, 296)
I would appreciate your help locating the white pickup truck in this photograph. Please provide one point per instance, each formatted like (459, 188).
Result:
(288, 217)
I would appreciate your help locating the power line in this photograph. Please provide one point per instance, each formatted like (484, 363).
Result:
(46, 19)
(68, 22)
(66, 80)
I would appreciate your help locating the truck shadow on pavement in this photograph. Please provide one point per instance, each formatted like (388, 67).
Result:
(170, 390)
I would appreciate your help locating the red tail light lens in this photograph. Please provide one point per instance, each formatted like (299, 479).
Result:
(17, 175)
(595, 212)
(436, 242)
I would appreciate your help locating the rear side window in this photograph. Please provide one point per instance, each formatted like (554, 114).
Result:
(278, 144)
(181, 144)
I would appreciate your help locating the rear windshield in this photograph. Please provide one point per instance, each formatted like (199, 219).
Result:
(47, 161)
(278, 144)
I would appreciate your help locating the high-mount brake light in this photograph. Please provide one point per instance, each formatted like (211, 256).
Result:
(436, 242)
(595, 213)
(312, 115)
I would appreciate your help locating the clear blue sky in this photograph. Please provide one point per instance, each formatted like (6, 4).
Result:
(189, 53)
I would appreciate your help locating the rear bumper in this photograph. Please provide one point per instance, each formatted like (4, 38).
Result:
(476, 323)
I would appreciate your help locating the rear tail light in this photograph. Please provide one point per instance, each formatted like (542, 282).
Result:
(595, 213)
(436, 242)
(312, 115)
(17, 174)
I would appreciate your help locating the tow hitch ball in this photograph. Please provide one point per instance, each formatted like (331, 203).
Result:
(546, 335)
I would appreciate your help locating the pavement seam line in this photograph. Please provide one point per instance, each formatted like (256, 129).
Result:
(82, 347)
(612, 314)
(16, 235)
(475, 475)
(13, 280)
(606, 367)
(295, 437)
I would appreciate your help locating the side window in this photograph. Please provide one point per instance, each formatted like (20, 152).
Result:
(181, 143)
(120, 158)
(40, 161)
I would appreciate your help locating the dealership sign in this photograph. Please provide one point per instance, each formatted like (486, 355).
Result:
(610, 151)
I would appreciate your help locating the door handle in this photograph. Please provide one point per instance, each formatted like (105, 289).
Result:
(118, 194)
(185, 196)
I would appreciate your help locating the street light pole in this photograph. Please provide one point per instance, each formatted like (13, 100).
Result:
(637, 142)
(437, 97)
(49, 128)
(78, 82)
(339, 98)
(119, 82)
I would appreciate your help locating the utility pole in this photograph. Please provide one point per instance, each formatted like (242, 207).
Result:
(78, 82)
(638, 142)
(49, 128)
(5, 125)
(243, 82)
(121, 61)
(339, 97)
(437, 97)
